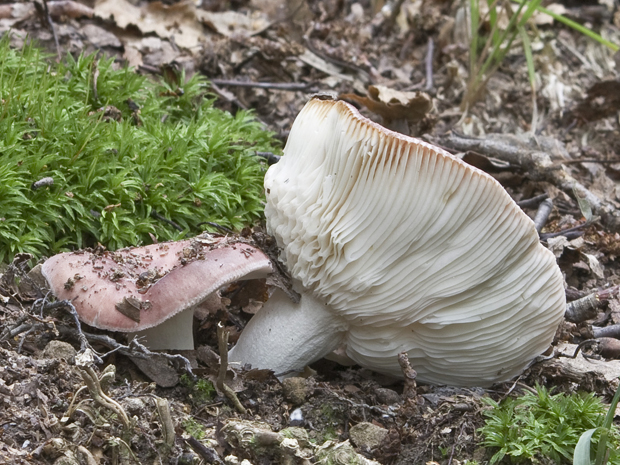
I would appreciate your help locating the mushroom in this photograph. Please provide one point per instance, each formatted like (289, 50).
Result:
(152, 291)
(397, 246)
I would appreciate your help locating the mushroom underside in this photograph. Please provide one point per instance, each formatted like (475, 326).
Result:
(412, 249)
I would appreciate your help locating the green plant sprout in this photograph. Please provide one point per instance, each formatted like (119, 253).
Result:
(544, 428)
(486, 56)
(92, 154)
(585, 443)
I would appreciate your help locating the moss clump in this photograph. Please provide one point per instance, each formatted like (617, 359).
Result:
(201, 391)
(193, 428)
(131, 160)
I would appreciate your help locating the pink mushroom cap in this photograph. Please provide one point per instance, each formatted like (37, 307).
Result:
(134, 289)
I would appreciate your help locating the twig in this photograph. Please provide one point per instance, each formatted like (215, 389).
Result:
(429, 64)
(579, 347)
(23, 338)
(222, 339)
(94, 387)
(76, 319)
(217, 226)
(410, 388)
(292, 86)
(590, 160)
(271, 158)
(167, 426)
(456, 440)
(207, 453)
(23, 327)
(533, 202)
(50, 23)
(156, 215)
(607, 331)
(565, 232)
(134, 349)
(542, 214)
(586, 308)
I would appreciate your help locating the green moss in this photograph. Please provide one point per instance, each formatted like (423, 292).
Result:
(200, 391)
(193, 428)
(175, 160)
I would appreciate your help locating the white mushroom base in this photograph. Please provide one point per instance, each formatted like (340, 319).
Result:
(285, 337)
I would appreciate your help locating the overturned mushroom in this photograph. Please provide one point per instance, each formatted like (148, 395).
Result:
(151, 290)
(396, 245)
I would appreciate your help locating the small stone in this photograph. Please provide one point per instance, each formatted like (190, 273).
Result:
(68, 459)
(134, 406)
(295, 390)
(387, 396)
(296, 418)
(59, 350)
(366, 434)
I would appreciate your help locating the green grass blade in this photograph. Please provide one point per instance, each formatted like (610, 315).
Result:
(580, 28)
(531, 73)
(582, 449)
(474, 25)
(601, 450)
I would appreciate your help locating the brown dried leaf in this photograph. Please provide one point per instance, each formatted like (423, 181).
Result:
(602, 100)
(178, 20)
(394, 104)
(235, 24)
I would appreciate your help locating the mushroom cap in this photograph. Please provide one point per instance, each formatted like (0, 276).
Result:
(138, 288)
(415, 249)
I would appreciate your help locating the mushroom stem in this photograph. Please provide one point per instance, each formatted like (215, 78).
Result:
(176, 333)
(285, 337)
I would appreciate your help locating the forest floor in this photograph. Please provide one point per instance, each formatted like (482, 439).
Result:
(270, 56)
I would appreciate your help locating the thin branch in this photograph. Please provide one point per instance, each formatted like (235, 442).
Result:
(590, 160)
(50, 23)
(156, 215)
(207, 453)
(532, 202)
(222, 339)
(542, 214)
(271, 158)
(291, 86)
(429, 64)
(565, 232)
(587, 307)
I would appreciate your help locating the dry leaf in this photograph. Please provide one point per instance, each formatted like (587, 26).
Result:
(232, 23)
(20, 11)
(319, 63)
(595, 266)
(100, 37)
(177, 22)
(394, 104)
(541, 19)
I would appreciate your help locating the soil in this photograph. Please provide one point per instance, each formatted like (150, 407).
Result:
(338, 47)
